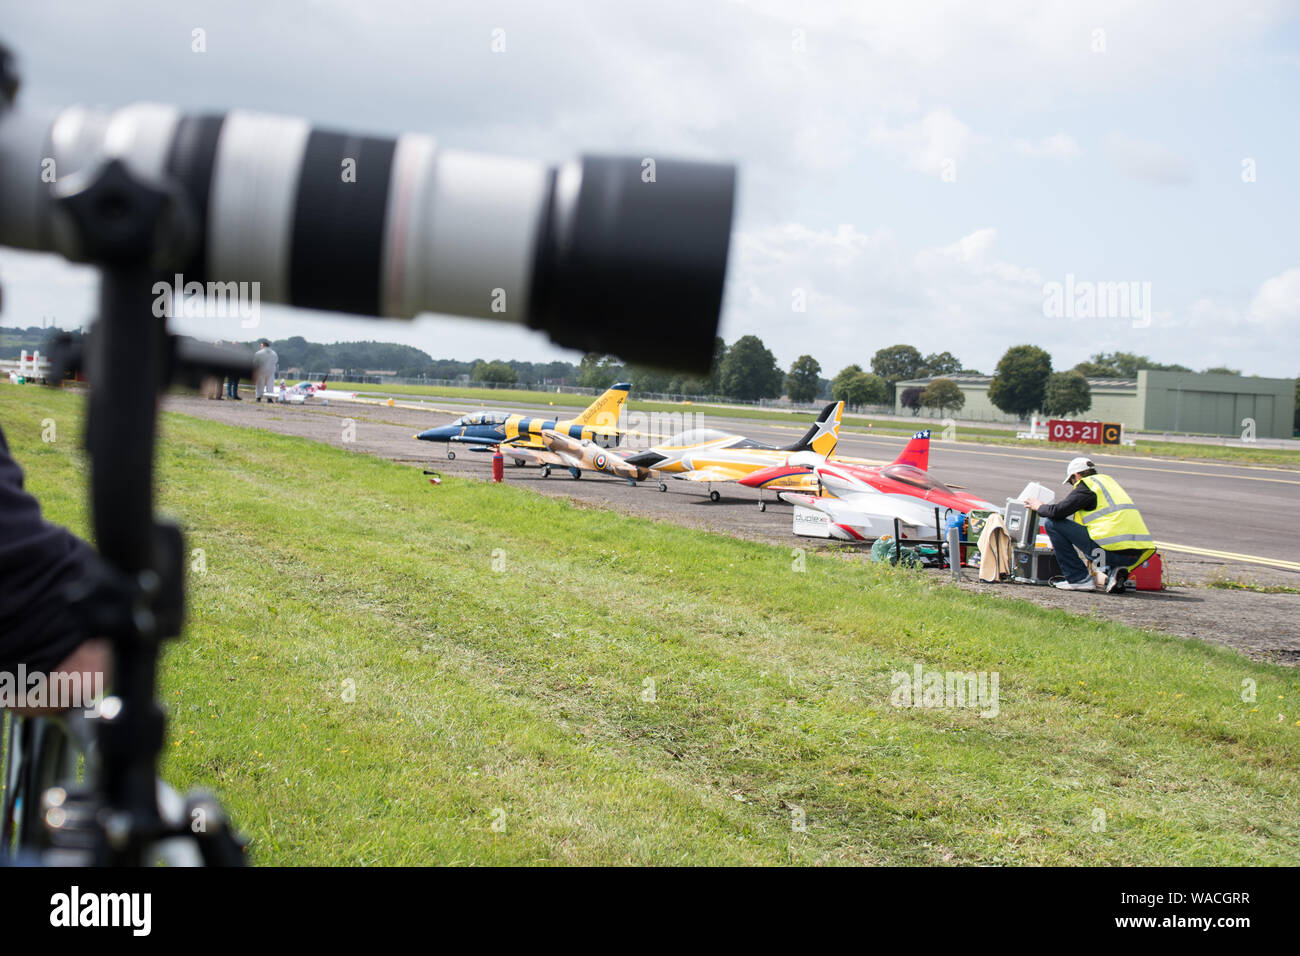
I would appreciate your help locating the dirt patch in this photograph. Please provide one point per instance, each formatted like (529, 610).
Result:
(1264, 626)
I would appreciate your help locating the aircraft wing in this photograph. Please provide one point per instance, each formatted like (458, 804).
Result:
(913, 511)
(472, 440)
(849, 460)
(714, 473)
(533, 456)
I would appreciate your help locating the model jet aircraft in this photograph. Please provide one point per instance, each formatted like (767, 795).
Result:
(518, 435)
(576, 454)
(865, 500)
(298, 394)
(713, 456)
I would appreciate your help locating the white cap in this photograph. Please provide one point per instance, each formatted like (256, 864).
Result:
(1075, 466)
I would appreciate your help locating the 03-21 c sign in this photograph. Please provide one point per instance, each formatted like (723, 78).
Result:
(1084, 433)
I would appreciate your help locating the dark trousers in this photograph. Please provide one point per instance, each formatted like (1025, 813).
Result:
(232, 387)
(1066, 535)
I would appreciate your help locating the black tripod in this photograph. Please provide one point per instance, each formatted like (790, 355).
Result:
(134, 231)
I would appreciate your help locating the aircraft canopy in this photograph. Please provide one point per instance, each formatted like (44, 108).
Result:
(911, 475)
(696, 436)
(482, 418)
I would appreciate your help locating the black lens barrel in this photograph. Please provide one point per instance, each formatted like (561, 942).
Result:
(614, 255)
(634, 264)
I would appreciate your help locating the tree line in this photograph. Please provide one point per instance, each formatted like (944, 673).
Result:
(1024, 382)
(746, 370)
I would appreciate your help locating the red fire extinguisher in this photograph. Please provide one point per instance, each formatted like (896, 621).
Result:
(498, 465)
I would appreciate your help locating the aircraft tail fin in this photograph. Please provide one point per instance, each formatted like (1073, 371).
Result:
(605, 410)
(824, 434)
(916, 452)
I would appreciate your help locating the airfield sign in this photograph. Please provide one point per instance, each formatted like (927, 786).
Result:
(1084, 433)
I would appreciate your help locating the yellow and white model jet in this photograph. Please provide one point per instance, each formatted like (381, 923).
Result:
(714, 457)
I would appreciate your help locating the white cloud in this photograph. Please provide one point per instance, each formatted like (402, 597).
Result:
(1278, 301)
(1057, 146)
(1147, 162)
(918, 83)
(865, 291)
(930, 144)
(45, 289)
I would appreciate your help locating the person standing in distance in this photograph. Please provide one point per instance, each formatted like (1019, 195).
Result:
(264, 366)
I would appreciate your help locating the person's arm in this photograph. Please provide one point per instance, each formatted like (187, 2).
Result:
(1081, 498)
(38, 560)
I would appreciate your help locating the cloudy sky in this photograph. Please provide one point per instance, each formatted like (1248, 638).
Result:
(914, 172)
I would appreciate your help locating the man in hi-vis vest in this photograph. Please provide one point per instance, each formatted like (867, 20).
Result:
(1100, 520)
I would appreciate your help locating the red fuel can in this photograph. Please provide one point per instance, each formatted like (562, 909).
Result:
(1149, 575)
(498, 465)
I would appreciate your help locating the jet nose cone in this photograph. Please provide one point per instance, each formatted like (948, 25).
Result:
(756, 479)
(434, 434)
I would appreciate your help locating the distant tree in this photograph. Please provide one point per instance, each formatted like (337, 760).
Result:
(598, 371)
(647, 381)
(841, 381)
(943, 394)
(749, 371)
(713, 384)
(1123, 365)
(495, 372)
(869, 389)
(1067, 393)
(911, 398)
(856, 387)
(710, 384)
(898, 363)
(940, 363)
(804, 381)
(1296, 421)
(1020, 381)
(525, 372)
(1222, 370)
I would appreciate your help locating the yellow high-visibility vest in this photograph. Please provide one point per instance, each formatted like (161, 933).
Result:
(1115, 523)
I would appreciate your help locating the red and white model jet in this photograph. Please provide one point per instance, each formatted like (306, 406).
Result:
(860, 502)
(298, 394)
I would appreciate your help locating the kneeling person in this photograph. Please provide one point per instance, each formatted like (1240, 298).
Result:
(1099, 519)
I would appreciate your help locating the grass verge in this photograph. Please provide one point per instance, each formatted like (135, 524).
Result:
(380, 671)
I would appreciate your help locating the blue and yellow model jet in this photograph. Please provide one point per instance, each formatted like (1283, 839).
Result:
(483, 430)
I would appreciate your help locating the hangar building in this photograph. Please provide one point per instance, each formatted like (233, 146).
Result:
(1183, 402)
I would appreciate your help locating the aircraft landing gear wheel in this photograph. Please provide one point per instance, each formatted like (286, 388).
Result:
(762, 506)
(450, 455)
(519, 463)
(577, 473)
(714, 496)
(546, 471)
(662, 486)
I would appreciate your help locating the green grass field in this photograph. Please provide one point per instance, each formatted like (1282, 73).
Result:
(505, 399)
(381, 671)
